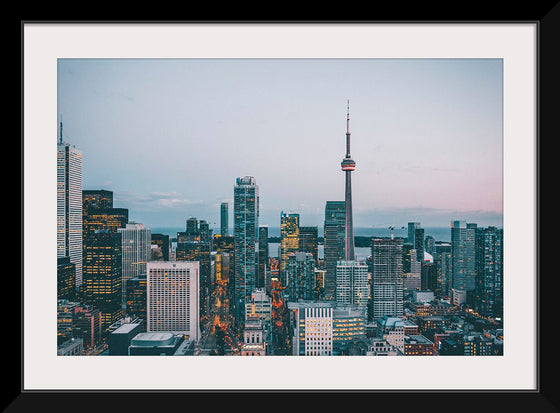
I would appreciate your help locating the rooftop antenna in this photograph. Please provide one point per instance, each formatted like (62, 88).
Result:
(348, 128)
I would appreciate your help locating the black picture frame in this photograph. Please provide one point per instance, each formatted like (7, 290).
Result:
(543, 399)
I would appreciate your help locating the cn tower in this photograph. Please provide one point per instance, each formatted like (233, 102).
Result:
(348, 165)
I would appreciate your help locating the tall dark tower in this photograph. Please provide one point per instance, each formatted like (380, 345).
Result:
(348, 165)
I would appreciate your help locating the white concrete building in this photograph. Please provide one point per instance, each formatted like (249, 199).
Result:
(136, 241)
(69, 205)
(172, 291)
(352, 283)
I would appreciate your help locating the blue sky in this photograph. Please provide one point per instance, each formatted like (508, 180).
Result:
(170, 136)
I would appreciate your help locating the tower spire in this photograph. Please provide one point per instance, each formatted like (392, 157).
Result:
(348, 165)
(348, 128)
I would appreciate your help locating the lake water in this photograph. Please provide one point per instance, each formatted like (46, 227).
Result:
(439, 233)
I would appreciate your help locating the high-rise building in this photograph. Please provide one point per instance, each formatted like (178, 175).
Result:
(205, 231)
(162, 241)
(192, 228)
(430, 244)
(300, 273)
(65, 319)
(136, 252)
(352, 283)
(87, 324)
(348, 165)
(324, 328)
(66, 278)
(312, 328)
(463, 258)
(102, 278)
(223, 244)
(198, 251)
(136, 301)
(387, 281)
(96, 199)
(308, 242)
(222, 266)
(224, 219)
(69, 205)
(104, 219)
(334, 233)
(411, 239)
(412, 269)
(419, 244)
(442, 260)
(245, 232)
(428, 279)
(263, 256)
(173, 298)
(289, 240)
(489, 272)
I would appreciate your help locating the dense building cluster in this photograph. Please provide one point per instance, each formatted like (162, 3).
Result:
(123, 290)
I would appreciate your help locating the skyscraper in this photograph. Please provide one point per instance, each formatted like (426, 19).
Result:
(65, 274)
(136, 297)
(192, 228)
(352, 283)
(348, 165)
(173, 298)
(224, 221)
(334, 230)
(69, 205)
(97, 199)
(387, 281)
(162, 241)
(308, 242)
(245, 232)
(289, 240)
(463, 258)
(104, 218)
(198, 251)
(136, 252)
(412, 232)
(489, 272)
(300, 274)
(443, 268)
(263, 256)
(103, 274)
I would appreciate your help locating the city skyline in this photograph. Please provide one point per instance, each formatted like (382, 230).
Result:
(421, 158)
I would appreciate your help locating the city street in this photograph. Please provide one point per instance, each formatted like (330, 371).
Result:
(218, 338)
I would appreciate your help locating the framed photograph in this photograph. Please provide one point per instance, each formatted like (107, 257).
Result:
(172, 118)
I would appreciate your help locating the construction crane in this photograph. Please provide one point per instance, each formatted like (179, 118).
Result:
(392, 228)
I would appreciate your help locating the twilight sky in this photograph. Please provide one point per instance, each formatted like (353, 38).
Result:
(170, 136)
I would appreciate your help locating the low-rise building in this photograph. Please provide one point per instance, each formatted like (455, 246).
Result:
(418, 345)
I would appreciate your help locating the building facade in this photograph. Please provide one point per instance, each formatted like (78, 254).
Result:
(463, 258)
(245, 233)
(289, 240)
(172, 292)
(136, 243)
(224, 219)
(69, 205)
(334, 233)
(352, 286)
(102, 275)
(308, 242)
(387, 280)
(489, 272)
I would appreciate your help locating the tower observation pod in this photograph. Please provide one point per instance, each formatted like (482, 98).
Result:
(348, 165)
